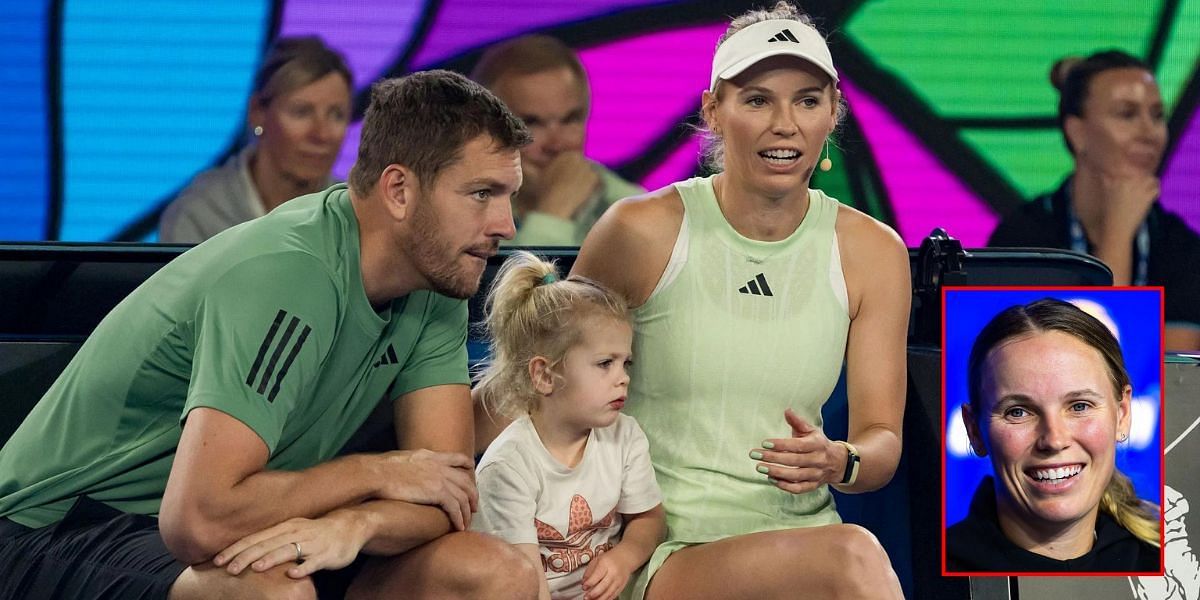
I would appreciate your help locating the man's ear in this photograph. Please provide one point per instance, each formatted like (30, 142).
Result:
(399, 189)
(541, 376)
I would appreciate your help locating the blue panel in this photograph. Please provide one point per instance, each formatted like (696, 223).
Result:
(25, 195)
(153, 92)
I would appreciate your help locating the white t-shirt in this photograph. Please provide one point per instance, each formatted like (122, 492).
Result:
(572, 514)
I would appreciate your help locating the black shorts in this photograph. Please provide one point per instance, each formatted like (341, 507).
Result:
(99, 552)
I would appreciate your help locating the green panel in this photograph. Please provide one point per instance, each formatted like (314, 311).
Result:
(1180, 54)
(975, 58)
(1034, 161)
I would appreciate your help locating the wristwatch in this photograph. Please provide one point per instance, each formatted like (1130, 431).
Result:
(852, 463)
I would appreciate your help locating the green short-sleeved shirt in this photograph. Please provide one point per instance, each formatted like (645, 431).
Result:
(267, 322)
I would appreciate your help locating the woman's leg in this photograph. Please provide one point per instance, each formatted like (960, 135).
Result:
(832, 561)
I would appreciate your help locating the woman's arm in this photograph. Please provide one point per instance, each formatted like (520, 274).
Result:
(629, 247)
(875, 264)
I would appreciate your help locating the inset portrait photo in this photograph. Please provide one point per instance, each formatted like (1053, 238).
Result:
(1052, 440)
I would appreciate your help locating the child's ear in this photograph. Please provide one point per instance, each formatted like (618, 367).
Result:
(540, 375)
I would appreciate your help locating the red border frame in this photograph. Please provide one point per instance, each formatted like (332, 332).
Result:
(1162, 415)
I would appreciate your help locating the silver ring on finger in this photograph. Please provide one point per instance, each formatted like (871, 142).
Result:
(299, 554)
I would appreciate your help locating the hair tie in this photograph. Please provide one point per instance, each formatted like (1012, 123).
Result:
(549, 278)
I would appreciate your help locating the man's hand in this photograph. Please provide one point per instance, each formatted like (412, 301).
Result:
(328, 543)
(442, 479)
(561, 187)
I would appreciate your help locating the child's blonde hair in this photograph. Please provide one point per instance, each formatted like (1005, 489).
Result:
(530, 312)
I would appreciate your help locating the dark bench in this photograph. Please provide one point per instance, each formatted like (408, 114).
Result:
(52, 295)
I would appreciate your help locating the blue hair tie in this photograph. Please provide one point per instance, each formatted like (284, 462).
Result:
(549, 278)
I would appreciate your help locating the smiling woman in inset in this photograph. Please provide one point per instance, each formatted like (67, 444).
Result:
(298, 115)
(1049, 403)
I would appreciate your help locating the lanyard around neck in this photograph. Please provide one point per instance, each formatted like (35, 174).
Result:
(1141, 246)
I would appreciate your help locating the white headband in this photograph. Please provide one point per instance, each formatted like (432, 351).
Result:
(777, 37)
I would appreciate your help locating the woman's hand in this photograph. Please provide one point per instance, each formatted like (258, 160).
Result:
(803, 462)
(1127, 200)
(328, 543)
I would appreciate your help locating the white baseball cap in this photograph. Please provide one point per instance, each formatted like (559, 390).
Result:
(777, 37)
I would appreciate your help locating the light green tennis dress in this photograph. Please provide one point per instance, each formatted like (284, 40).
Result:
(736, 331)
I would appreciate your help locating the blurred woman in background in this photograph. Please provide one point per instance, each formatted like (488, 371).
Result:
(297, 114)
(1111, 115)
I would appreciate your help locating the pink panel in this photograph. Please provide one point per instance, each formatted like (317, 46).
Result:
(642, 86)
(923, 193)
(1181, 179)
(461, 25)
(680, 165)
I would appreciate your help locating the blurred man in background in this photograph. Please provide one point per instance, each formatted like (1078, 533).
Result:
(543, 83)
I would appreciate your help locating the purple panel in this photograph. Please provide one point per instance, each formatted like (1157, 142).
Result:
(635, 98)
(680, 165)
(461, 25)
(1181, 180)
(370, 33)
(923, 193)
(346, 158)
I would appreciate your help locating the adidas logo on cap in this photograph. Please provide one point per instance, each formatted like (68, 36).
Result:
(784, 36)
(757, 286)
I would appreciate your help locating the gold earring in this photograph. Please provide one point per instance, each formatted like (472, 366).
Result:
(826, 164)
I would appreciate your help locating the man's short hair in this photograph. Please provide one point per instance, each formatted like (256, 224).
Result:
(526, 55)
(423, 120)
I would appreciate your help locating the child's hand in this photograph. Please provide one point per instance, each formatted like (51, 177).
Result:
(606, 576)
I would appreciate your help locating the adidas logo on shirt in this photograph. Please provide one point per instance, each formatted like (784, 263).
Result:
(267, 362)
(784, 36)
(387, 358)
(757, 286)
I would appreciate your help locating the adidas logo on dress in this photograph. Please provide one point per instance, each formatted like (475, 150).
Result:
(784, 36)
(757, 286)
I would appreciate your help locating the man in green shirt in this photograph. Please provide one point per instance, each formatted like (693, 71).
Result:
(188, 449)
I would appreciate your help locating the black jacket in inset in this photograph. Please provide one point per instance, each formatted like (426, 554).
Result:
(978, 544)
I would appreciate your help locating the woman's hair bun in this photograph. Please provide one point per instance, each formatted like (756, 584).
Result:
(1062, 68)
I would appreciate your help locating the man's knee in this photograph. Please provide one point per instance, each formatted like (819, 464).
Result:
(496, 569)
(210, 582)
